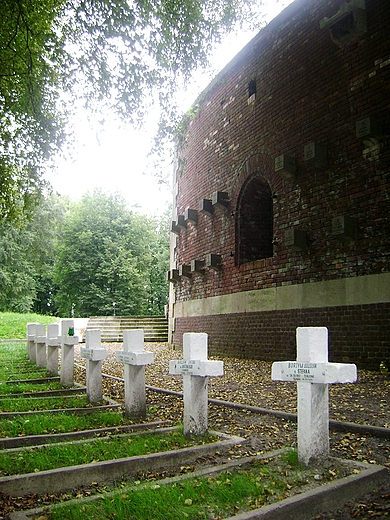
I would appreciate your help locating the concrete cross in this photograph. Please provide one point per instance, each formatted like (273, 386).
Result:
(31, 350)
(94, 355)
(313, 373)
(134, 358)
(53, 343)
(40, 345)
(68, 341)
(195, 369)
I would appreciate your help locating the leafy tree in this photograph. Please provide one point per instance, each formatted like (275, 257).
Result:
(105, 255)
(120, 53)
(158, 294)
(27, 259)
(30, 124)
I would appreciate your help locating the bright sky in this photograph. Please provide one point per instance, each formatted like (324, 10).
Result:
(113, 158)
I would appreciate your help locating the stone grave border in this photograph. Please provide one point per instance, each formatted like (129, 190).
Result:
(326, 497)
(302, 506)
(38, 440)
(107, 472)
(111, 405)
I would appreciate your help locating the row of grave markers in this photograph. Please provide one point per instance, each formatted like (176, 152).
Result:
(311, 371)
(43, 347)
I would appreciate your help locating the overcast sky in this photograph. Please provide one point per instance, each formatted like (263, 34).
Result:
(113, 158)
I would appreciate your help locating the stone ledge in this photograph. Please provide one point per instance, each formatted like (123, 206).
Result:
(325, 498)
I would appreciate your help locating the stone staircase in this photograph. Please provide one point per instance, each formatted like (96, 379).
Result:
(112, 327)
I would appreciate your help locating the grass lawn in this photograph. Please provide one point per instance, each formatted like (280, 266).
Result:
(18, 388)
(14, 325)
(39, 458)
(60, 423)
(29, 404)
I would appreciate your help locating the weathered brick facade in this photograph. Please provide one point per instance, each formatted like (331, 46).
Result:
(295, 130)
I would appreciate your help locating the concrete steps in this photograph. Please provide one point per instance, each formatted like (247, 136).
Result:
(112, 327)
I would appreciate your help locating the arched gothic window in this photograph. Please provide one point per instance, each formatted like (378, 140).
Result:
(254, 221)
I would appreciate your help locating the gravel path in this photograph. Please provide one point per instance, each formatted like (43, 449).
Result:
(249, 382)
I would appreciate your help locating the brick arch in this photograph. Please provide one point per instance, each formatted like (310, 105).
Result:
(254, 221)
(252, 191)
(261, 163)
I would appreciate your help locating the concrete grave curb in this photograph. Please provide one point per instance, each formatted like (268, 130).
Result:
(38, 440)
(46, 393)
(325, 498)
(79, 411)
(303, 506)
(63, 479)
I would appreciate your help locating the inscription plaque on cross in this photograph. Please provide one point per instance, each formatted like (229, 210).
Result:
(313, 373)
(134, 358)
(195, 369)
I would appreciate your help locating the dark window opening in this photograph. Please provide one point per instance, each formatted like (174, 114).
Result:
(344, 27)
(251, 88)
(254, 223)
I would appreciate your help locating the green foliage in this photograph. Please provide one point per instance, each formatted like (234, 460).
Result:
(91, 253)
(30, 124)
(14, 326)
(107, 254)
(123, 55)
(27, 257)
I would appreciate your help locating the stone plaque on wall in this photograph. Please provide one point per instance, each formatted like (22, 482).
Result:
(344, 227)
(295, 239)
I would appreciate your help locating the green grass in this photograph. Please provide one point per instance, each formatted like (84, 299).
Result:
(22, 404)
(216, 496)
(13, 353)
(34, 373)
(28, 460)
(14, 363)
(19, 388)
(60, 423)
(14, 325)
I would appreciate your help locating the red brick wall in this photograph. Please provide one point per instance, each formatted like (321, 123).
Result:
(270, 335)
(308, 90)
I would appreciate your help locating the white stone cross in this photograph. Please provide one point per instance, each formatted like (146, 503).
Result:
(134, 358)
(68, 341)
(40, 345)
(313, 373)
(53, 343)
(195, 369)
(31, 350)
(94, 356)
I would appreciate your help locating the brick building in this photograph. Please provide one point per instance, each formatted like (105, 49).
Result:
(282, 190)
